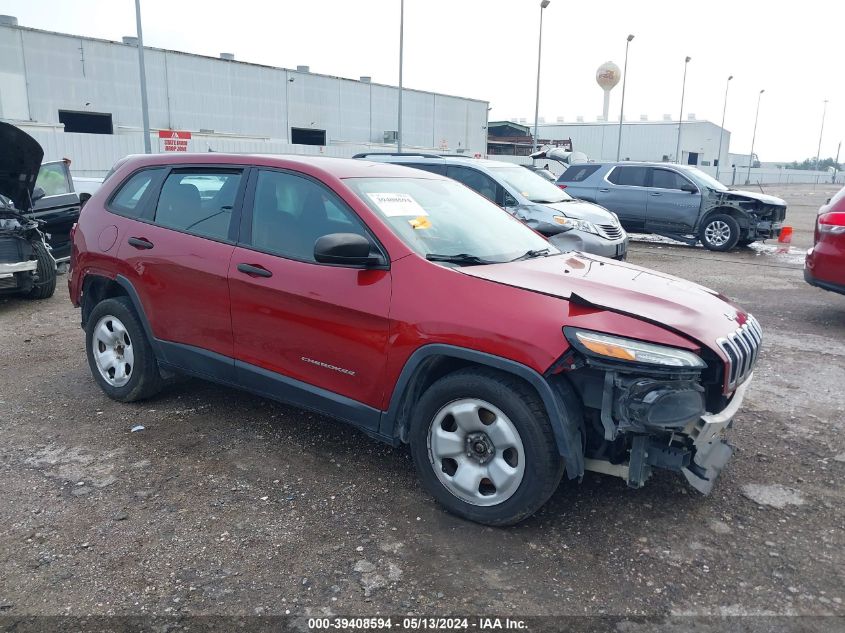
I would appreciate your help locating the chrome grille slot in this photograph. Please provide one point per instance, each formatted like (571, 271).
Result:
(742, 347)
(610, 231)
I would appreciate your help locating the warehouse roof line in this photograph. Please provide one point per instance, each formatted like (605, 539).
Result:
(234, 61)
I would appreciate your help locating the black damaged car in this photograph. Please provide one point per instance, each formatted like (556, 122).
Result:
(27, 266)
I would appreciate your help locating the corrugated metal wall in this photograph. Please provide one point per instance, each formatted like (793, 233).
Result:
(245, 107)
(649, 141)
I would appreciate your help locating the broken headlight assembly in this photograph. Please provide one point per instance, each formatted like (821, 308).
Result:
(616, 349)
(574, 223)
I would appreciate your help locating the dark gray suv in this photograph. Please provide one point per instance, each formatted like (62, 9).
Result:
(677, 201)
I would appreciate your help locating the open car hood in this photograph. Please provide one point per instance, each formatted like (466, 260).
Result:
(20, 160)
(684, 307)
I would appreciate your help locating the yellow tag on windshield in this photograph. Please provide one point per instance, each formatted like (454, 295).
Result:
(420, 222)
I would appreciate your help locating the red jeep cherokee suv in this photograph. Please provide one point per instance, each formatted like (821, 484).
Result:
(413, 308)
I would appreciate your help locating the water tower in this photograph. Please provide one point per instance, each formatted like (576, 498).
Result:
(607, 76)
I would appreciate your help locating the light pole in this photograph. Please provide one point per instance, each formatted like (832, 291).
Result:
(681, 117)
(622, 109)
(543, 5)
(753, 138)
(145, 110)
(722, 130)
(401, 52)
(819, 150)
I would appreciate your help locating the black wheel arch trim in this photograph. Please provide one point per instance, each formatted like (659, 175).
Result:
(124, 283)
(566, 431)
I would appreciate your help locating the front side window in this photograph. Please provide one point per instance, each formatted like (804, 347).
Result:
(290, 213)
(199, 201)
(53, 179)
(477, 181)
(667, 179)
(444, 218)
(531, 185)
(628, 176)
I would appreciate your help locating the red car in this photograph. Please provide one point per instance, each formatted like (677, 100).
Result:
(825, 263)
(415, 309)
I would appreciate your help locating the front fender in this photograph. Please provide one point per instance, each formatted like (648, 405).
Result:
(563, 417)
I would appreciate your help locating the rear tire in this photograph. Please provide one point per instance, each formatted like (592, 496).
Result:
(720, 232)
(495, 428)
(120, 356)
(45, 285)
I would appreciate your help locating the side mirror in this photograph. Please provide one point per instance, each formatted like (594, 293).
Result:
(689, 188)
(37, 194)
(345, 249)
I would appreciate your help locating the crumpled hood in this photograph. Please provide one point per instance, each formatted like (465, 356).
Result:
(20, 160)
(579, 210)
(694, 311)
(762, 197)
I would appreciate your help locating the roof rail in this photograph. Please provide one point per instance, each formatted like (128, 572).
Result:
(417, 154)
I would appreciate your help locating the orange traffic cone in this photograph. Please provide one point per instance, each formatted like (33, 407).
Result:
(785, 236)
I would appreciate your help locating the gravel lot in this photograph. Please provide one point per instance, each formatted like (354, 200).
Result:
(230, 504)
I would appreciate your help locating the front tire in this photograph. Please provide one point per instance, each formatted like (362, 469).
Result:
(483, 447)
(119, 354)
(720, 232)
(45, 285)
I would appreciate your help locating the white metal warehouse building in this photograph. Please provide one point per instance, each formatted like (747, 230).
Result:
(645, 140)
(80, 98)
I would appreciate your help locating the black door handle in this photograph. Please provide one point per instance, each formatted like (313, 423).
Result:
(140, 242)
(254, 271)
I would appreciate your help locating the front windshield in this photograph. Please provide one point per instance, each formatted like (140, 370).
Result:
(704, 179)
(443, 217)
(534, 187)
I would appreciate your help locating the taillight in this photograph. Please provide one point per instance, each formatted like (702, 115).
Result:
(832, 223)
(561, 186)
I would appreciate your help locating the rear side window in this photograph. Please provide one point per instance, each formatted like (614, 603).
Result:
(132, 199)
(199, 201)
(628, 176)
(53, 179)
(667, 179)
(578, 173)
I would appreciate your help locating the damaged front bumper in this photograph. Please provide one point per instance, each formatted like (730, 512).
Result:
(699, 451)
(14, 275)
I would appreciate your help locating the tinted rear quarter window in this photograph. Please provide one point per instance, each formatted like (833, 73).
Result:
(578, 173)
(629, 176)
(132, 198)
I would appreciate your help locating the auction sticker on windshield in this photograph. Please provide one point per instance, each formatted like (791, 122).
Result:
(397, 204)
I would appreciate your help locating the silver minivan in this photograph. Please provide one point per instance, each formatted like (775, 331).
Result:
(569, 224)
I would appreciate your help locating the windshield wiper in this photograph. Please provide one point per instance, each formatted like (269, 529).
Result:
(541, 252)
(547, 201)
(461, 258)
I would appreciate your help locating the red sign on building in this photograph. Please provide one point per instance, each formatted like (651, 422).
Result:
(174, 140)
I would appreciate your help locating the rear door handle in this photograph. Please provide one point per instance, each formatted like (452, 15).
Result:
(140, 242)
(655, 193)
(604, 190)
(254, 271)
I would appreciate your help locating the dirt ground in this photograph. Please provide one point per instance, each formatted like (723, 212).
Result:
(229, 504)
